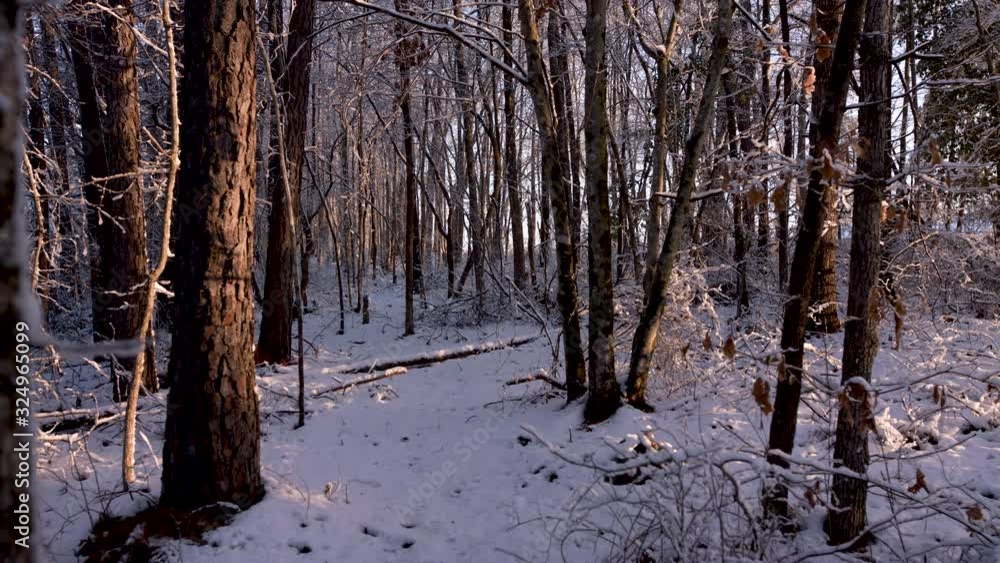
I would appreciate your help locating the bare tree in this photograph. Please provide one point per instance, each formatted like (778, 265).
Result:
(275, 342)
(604, 398)
(824, 171)
(554, 178)
(646, 333)
(848, 510)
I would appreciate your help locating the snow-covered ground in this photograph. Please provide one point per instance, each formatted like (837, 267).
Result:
(446, 463)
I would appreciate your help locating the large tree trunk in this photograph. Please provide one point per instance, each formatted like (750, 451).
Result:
(646, 333)
(12, 294)
(275, 342)
(604, 398)
(109, 115)
(848, 513)
(793, 330)
(824, 295)
(556, 187)
(211, 451)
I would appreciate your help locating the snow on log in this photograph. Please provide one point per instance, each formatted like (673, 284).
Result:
(431, 357)
(391, 372)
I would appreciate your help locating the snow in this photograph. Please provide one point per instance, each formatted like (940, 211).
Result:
(446, 463)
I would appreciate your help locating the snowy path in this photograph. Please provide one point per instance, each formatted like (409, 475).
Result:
(417, 468)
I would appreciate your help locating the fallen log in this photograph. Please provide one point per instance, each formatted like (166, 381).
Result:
(426, 358)
(391, 372)
(541, 375)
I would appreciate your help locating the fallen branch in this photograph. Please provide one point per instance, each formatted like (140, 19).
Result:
(426, 358)
(541, 375)
(391, 372)
(93, 418)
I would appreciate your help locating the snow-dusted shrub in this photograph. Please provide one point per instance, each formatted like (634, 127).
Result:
(654, 501)
(942, 272)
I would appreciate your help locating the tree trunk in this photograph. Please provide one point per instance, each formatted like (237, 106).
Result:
(557, 187)
(464, 91)
(781, 194)
(405, 52)
(848, 514)
(741, 234)
(604, 398)
(275, 342)
(58, 123)
(107, 79)
(661, 112)
(824, 295)
(646, 333)
(14, 545)
(211, 451)
(512, 159)
(793, 330)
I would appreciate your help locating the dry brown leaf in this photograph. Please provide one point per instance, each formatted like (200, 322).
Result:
(974, 512)
(762, 395)
(779, 197)
(809, 81)
(707, 342)
(823, 48)
(920, 484)
(890, 213)
(755, 196)
(729, 348)
(935, 152)
(811, 498)
(829, 170)
(782, 370)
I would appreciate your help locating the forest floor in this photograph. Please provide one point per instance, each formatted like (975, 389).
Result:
(446, 463)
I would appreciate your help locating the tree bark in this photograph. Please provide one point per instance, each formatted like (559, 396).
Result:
(405, 53)
(848, 514)
(58, 123)
(556, 186)
(787, 148)
(647, 331)
(211, 451)
(116, 213)
(275, 342)
(604, 398)
(661, 54)
(793, 330)
(464, 91)
(824, 295)
(513, 163)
